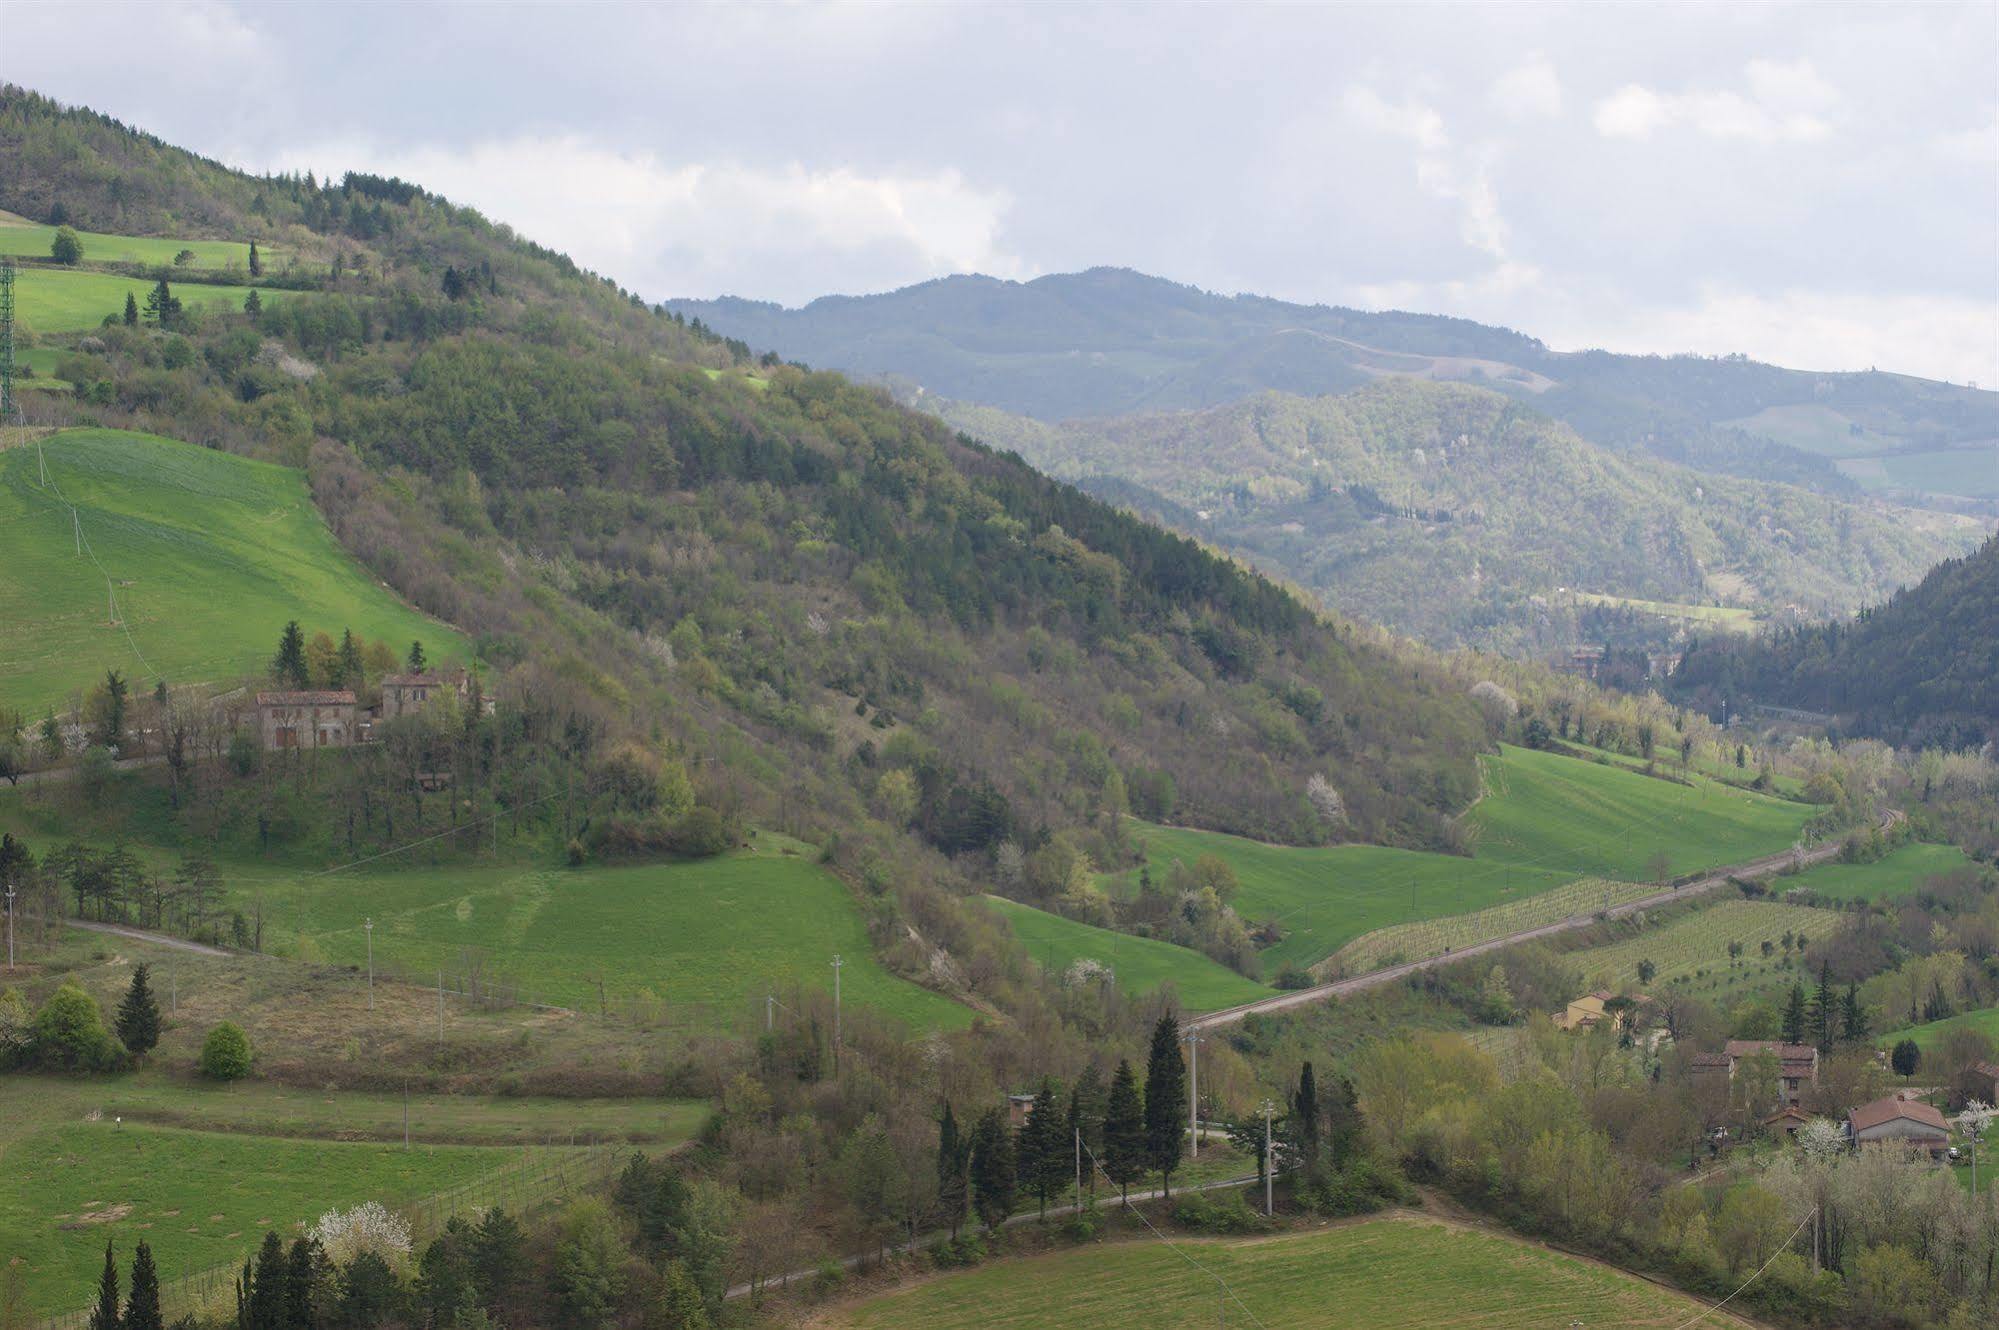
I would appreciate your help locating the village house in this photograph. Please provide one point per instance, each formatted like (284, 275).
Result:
(1585, 1011)
(1901, 1122)
(403, 694)
(1985, 1081)
(322, 718)
(1797, 1064)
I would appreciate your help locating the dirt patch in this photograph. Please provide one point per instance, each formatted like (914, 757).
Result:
(110, 1214)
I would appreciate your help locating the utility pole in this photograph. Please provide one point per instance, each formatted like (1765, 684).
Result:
(1269, 1160)
(440, 1011)
(769, 1012)
(1194, 1041)
(406, 1114)
(837, 963)
(1079, 1170)
(10, 925)
(368, 927)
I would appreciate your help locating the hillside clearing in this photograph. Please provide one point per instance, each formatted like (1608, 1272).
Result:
(1140, 964)
(68, 300)
(1985, 1021)
(29, 239)
(1899, 873)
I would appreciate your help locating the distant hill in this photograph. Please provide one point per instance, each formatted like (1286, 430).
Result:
(1109, 341)
(1460, 515)
(1924, 667)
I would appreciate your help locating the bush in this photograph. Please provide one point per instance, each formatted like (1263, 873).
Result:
(1204, 1213)
(225, 1054)
(826, 1280)
(701, 834)
(1083, 1225)
(1292, 977)
(69, 1033)
(967, 1249)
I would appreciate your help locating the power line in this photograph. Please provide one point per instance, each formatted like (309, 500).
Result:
(1781, 1248)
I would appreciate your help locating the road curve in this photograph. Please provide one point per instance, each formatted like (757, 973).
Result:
(1375, 978)
(141, 935)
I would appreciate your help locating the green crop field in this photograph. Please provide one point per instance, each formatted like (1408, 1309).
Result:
(1970, 472)
(1692, 952)
(210, 554)
(1546, 821)
(99, 248)
(1382, 1272)
(1140, 964)
(1897, 874)
(1985, 1020)
(1731, 617)
(714, 935)
(68, 300)
(1433, 937)
(1814, 427)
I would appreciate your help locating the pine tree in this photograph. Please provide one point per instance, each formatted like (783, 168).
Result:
(163, 306)
(131, 310)
(347, 669)
(256, 261)
(418, 662)
(1165, 1090)
(993, 1180)
(1039, 1155)
(253, 304)
(454, 284)
(953, 1158)
(139, 1022)
(266, 1307)
(1086, 1115)
(289, 664)
(1794, 1016)
(1124, 1131)
(304, 1270)
(105, 1315)
(142, 1309)
(1853, 1017)
(1825, 1009)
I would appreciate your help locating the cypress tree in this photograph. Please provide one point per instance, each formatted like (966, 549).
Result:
(1825, 1009)
(105, 1315)
(142, 1309)
(267, 1304)
(1794, 1016)
(139, 1021)
(993, 1179)
(953, 1157)
(1305, 1121)
(131, 310)
(302, 1273)
(418, 662)
(256, 261)
(1086, 1115)
(1165, 1089)
(1040, 1155)
(1124, 1131)
(1853, 1016)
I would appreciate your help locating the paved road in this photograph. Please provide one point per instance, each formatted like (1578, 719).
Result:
(903, 1248)
(141, 935)
(1375, 978)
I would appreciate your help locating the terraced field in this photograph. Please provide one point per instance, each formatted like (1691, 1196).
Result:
(1691, 952)
(1140, 964)
(1392, 1272)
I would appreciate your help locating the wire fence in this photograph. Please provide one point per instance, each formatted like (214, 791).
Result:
(538, 1178)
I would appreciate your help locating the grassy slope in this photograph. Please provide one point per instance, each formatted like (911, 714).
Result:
(99, 248)
(48, 300)
(1698, 942)
(214, 553)
(1898, 874)
(1141, 964)
(1547, 820)
(1383, 1272)
(720, 932)
(1985, 1021)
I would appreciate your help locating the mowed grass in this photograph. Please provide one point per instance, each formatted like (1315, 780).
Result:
(100, 248)
(714, 935)
(51, 300)
(1896, 874)
(1546, 821)
(1140, 964)
(1985, 1021)
(1691, 952)
(210, 555)
(199, 1198)
(1383, 1272)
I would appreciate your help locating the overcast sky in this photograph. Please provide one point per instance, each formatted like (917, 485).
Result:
(1816, 185)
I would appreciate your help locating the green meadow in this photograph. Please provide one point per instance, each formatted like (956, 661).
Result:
(1985, 1020)
(1898, 873)
(1691, 952)
(1140, 964)
(1545, 820)
(32, 240)
(1382, 1272)
(69, 300)
(209, 555)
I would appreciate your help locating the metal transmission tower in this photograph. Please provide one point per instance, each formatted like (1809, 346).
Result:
(7, 408)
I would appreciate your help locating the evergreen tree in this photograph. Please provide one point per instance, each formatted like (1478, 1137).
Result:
(496, 1257)
(1165, 1090)
(163, 306)
(1123, 1155)
(288, 666)
(105, 1315)
(1794, 1016)
(1086, 1116)
(993, 1178)
(953, 1158)
(1042, 1155)
(1303, 1136)
(1853, 1017)
(305, 1273)
(142, 1309)
(253, 304)
(139, 1021)
(418, 662)
(256, 261)
(131, 310)
(1825, 1010)
(1343, 1122)
(347, 669)
(267, 1306)
(454, 284)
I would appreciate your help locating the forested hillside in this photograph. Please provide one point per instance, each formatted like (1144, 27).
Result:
(1922, 668)
(1459, 515)
(1110, 341)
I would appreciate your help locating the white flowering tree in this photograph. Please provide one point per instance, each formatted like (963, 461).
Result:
(1821, 1139)
(1325, 800)
(369, 1226)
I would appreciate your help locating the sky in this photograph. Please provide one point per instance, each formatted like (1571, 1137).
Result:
(1811, 184)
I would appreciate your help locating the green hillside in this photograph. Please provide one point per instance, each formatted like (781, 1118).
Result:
(157, 251)
(1386, 1272)
(62, 300)
(1899, 873)
(1985, 1021)
(209, 556)
(1140, 964)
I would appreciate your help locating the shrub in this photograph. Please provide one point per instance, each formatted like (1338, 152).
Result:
(1083, 1225)
(701, 834)
(69, 1033)
(225, 1054)
(1204, 1213)
(967, 1249)
(1292, 977)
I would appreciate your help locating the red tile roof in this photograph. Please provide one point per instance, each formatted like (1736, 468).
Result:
(309, 698)
(1869, 1116)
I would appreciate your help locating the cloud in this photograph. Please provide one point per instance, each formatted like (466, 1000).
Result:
(1413, 120)
(1785, 102)
(709, 228)
(1458, 175)
(1528, 90)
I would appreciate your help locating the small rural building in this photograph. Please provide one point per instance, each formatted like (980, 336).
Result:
(1787, 1120)
(1017, 1106)
(406, 693)
(312, 719)
(1901, 1122)
(1985, 1081)
(1797, 1064)
(1585, 1011)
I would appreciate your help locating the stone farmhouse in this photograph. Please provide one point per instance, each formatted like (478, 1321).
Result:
(313, 719)
(405, 693)
(1797, 1064)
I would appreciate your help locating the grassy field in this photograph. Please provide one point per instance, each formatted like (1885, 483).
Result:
(1985, 1021)
(1970, 472)
(1731, 617)
(1692, 952)
(1396, 1271)
(48, 300)
(1545, 822)
(210, 554)
(1816, 428)
(1899, 873)
(1433, 937)
(35, 240)
(1140, 964)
